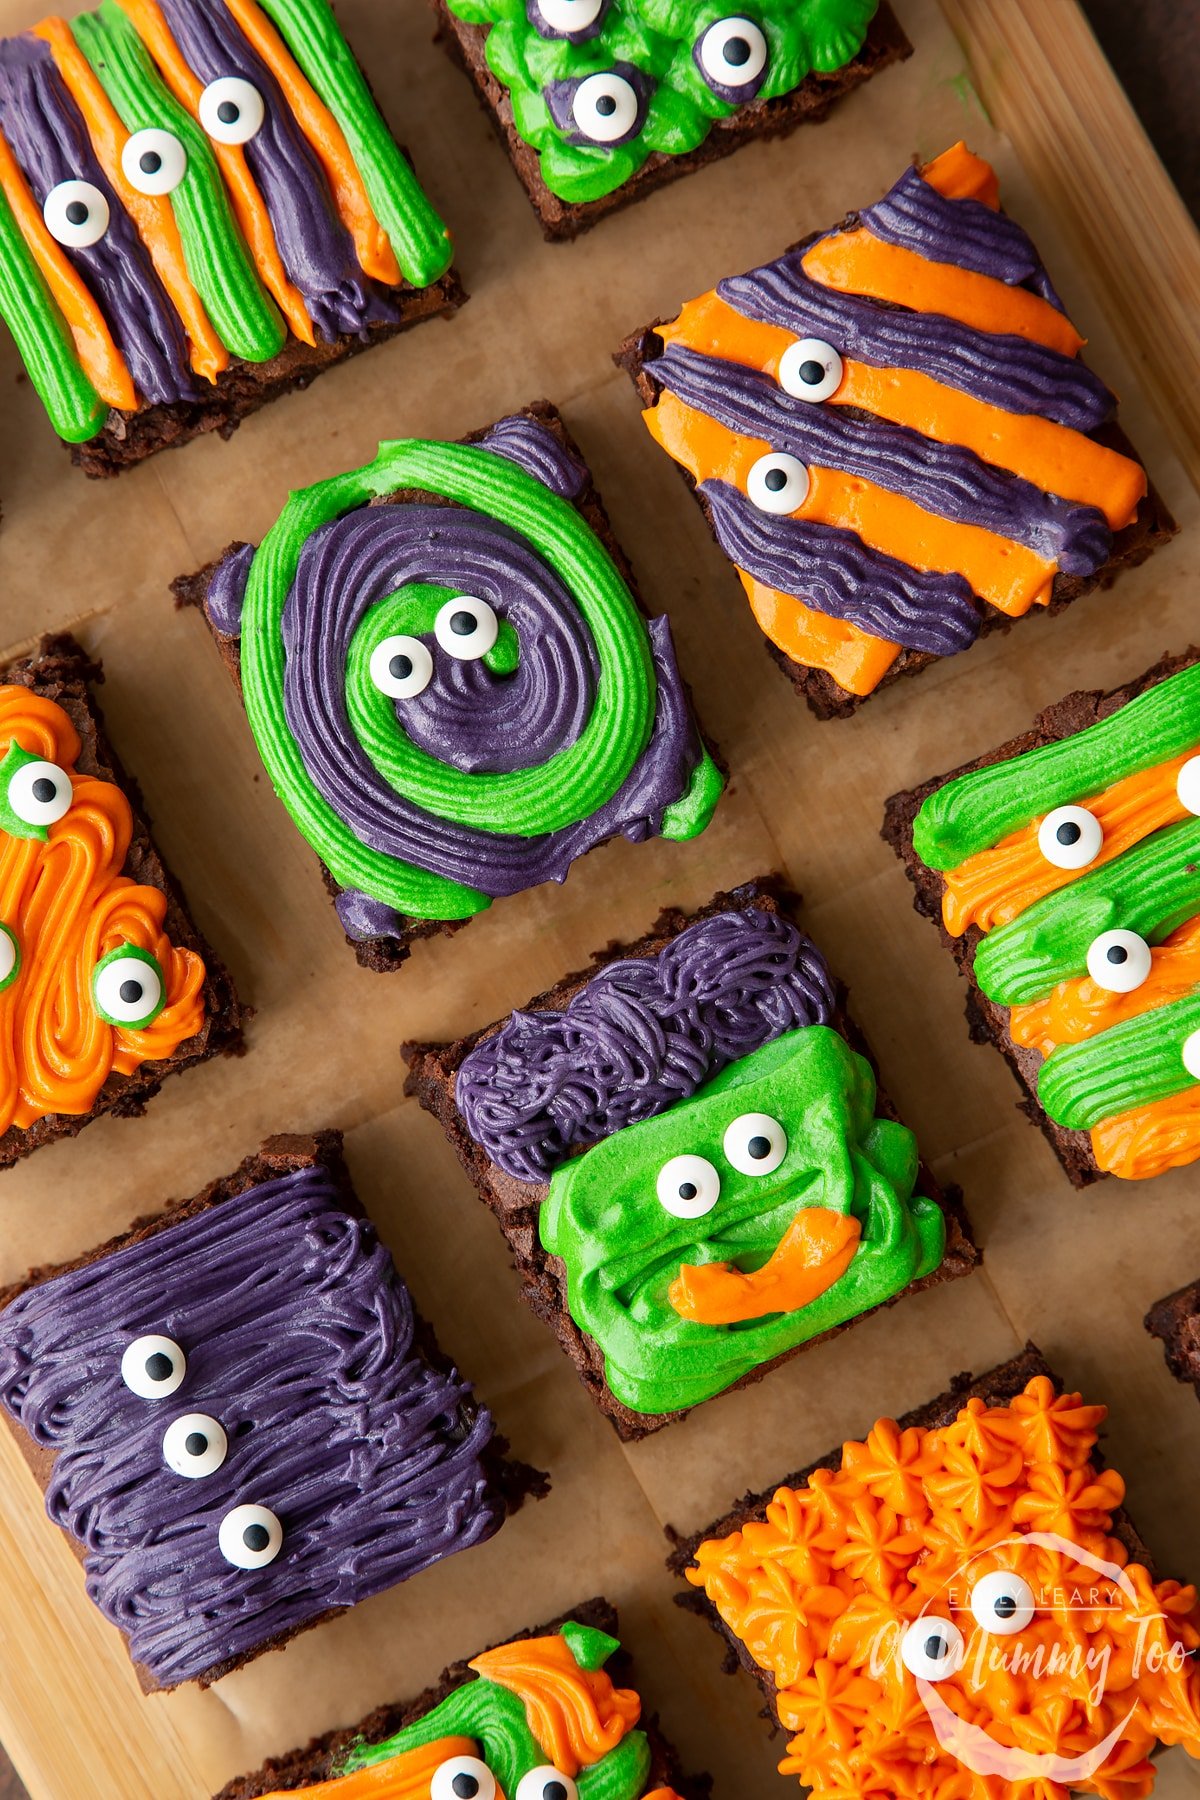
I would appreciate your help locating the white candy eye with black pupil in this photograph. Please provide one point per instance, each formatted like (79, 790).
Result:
(153, 1367)
(777, 483)
(932, 1648)
(401, 667)
(40, 793)
(732, 53)
(462, 1778)
(688, 1187)
(546, 1783)
(231, 110)
(76, 214)
(570, 15)
(1002, 1603)
(755, 1144)
(1187, 785)
(605, 107)
(195, 1445)
(10, 957)
(466, 628)
(1119, 961)
(154, 161)
(810, 369)
(1070, 837)
(127, 988)
(250, 1537)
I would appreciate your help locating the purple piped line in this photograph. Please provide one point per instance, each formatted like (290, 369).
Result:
(966, 233)
(227, 590)
(533, 448)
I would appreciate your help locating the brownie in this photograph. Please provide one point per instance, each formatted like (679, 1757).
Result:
(778, 291)
(292, 214)
(385, 950)
(320, 1760)
(987, 1020)
(560, 219)
(290, 1178)
(1176, 1320)
(59, 672)
(516, 1203)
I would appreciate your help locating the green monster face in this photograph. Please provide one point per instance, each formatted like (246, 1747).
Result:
(769, 1207)
(597, 86)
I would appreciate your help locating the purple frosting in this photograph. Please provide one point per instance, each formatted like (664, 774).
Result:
(642, 1035)
(227, 590)
(50, 141)
(560, 98)
(542, 26)
(539, 453)
(299, 1339)
(363, 918)
(967, 233)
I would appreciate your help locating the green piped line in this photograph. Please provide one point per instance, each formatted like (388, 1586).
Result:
(688, 816)
(44, 339)
(1131, 1065)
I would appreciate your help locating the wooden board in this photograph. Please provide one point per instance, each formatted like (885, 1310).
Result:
(1076, 1272)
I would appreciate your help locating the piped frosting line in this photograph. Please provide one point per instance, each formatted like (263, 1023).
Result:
(1131, 1065)
(42, 329)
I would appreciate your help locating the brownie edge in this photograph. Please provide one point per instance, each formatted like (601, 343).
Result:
(1176, 1321)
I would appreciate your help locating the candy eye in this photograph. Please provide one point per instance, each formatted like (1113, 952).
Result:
(76, 214)
(1191, 1055)
(570, 15)
(777, 483)
(810, 369)
(10, 957)
(732, 53)
(462, 1778)
(153, 1367)
(40, 794)
(755, 1144)
(1002, 1603)
(546, 1783)
(1119, 961)
(231, 110)
(401, 667)
(154, 161)
(250, 1537)
(1070, 837)
(605, 107)
(127, 988)
(466, 628)
(932, 1648)
(1187, 784)
(195, 1446)
(688, 1186)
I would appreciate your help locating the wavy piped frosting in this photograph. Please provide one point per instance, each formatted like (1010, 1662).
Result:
(296, 1340)
(923, 1534)
(891, 429)
(1076, 862)
(67, 910)
(268, 199)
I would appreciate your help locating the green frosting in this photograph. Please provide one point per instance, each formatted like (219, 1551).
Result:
(1129, 1065)
(219, 264)
(653, 43)
(496, 1720)
(622, 1249)
(44, 339)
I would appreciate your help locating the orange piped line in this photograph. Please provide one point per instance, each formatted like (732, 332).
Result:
(857, 661)
(371, 242)
(576, 1715)
(248, 204)
(1080, 1008)
(99, 356)
(403, 1777)
(958, 174)
(151, 213)
(858, 262)
(1150, 1140)
(815, 1251)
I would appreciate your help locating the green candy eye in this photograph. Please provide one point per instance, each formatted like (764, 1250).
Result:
(128, 988)
(10, 957)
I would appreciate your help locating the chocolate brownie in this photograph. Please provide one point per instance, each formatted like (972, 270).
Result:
(734, 120)
(990, 1020)
(905, 504)
(1176, 1320)
(119, 906)
(506, 633)
(619, 1051)
(401, 1455)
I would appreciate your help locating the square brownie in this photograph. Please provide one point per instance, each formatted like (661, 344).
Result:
(982, 1522)
(456, 1726)
(474, 696)
(893, 437)
(1060, 869)
(580, 1119)
(92, 910)
(179, 244)
(240, 1421)
(695, 83)
(1176, 1320)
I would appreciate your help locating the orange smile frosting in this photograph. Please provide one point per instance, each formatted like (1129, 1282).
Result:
(815, 1251)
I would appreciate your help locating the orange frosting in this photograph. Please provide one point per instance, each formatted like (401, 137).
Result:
(1081, 1008)
(857, 661)
(821, 1589)
(68, 904)
(1151, 1139)
(814, 1252)
(403, 1777)
(576, 1715)
(958, 174)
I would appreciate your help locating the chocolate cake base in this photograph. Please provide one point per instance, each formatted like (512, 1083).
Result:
(510, 1482)
(563, 219)
(433, 1069)
(129, 438)
(318, 1761)
(1176, 1320)
(988, 1022)
(60, 669)
(386, 953)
